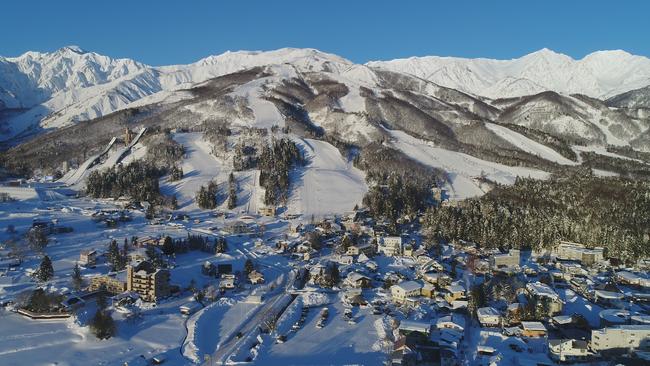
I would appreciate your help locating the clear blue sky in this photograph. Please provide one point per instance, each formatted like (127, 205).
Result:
(169, 32)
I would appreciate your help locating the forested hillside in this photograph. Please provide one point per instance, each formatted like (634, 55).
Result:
(609, 212)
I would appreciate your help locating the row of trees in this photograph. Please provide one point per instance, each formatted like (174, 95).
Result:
(232, 191)
(275, 162)
(138, 180)
(609, 212)
(206, 197)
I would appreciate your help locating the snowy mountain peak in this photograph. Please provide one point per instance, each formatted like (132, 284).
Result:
(74, 48)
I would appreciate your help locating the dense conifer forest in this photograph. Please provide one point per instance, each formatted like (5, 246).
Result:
(610, 212)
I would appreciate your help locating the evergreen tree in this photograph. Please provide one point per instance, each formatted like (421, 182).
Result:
(175, 173)
(102, 325)
(115, 257)
(37, 238)
(77, 280)
(221, 245)
(232, 192)
(102, 302)
(206, 198)
(248, 266)
(45, 271)
(150, 213)
(168, 246)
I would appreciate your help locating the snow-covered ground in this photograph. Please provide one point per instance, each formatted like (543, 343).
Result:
(328, 184)
(461, 168)
(199, 168)
(530, 146)
(336, 343)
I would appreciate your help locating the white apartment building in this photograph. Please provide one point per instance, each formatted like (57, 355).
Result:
(620, 337)
(390, 246)
(578, 252)
(510, 259)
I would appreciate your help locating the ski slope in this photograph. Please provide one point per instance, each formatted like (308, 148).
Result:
(462, 169)
(530, 146)
(115, 159)
(74, 176)
(199, 168)
(329, 184)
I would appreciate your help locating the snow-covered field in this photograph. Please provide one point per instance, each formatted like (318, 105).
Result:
(329, 184)
(461, 168)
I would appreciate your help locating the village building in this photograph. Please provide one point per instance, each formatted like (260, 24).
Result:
(488, 317)
(454, 321)
(613, 317)
(237, 227)
(357, 280)
(568, 350)
(146, 241)
(436, 278)
(256, 277)
(623, 337)
(110, 284)
(389, 246)
(408, 250)
(631, 278)
(578, 252)
(510, 259)
(428, 290)
(267, 211)
(345, 259)
(539, 290)
(227, 281)
(454, 292)
(149, 282)
(533, 329)
(88, 257)
(365, 248)
(404, 290)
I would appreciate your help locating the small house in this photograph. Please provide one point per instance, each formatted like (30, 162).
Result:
(357, 280)
(488, 317)
(88, 257)
(533, 329)
(256, 277)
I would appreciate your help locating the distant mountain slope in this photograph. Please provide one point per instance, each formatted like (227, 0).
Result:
(638, 98)
(600, 74)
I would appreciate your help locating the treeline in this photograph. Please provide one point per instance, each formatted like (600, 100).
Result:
(609, 212)
(623, 167)
(216, 132)
(163, 151)
(275, 162)
(138, 180)
(560, 145)
(398, 184)
(629, 152)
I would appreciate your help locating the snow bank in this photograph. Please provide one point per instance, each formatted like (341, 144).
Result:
(312, 299)
(384, 329)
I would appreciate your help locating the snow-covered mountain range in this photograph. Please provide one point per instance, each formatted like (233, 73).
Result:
(539, 124)
(600, 74)
(41, 91)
